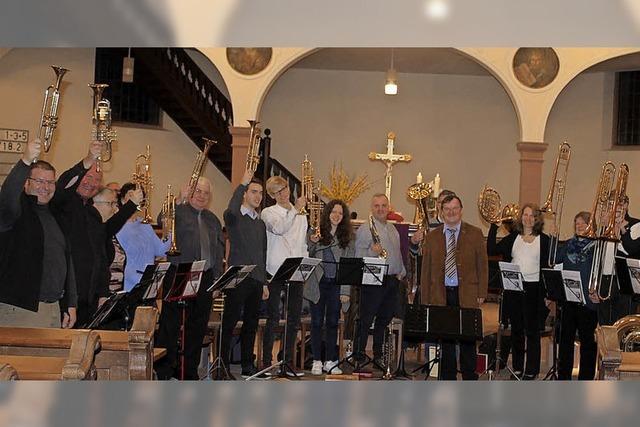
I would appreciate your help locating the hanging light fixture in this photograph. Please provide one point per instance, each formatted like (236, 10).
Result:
(127, 68)
(391, 84)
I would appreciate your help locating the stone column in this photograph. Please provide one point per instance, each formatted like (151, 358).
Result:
(239, 147)
(531, 162)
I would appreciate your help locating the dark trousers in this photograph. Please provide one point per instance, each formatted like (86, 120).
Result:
(294, 311)
(242, 301)
(523, 311)
(379, 302)
(326, 313)
(576, 317)
(448, 363)
(617, 306)
(197, 313)
(85, 311)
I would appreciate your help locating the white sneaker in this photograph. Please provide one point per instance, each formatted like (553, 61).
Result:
(332, 368)
(316, 369)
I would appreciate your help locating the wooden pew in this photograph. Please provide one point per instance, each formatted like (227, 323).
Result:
(124, 355)
(79, 365)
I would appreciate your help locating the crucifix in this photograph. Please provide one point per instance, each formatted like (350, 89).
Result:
(389, 158)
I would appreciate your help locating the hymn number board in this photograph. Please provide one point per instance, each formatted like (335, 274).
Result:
(12, 143)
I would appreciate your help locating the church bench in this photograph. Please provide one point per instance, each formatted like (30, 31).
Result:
(124, 355)
(79, 364)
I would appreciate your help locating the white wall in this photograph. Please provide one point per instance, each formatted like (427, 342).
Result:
(463, 127)
(24, 74)
(583, 115)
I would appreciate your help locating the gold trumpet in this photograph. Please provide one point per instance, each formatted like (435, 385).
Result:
(201, 160)
(315, 211)
(142, 178)
(307, 184)
(49, 114)
(168, 215)
(490, 207)
(555, 197)
(101, 119)
(253, 154)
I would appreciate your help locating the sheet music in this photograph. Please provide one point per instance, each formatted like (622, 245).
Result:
(158, 277)
(243, 273)
(307, 265)
(634, 273)
(511, 276)
(197, 268)
(374, 271)
(573, 286)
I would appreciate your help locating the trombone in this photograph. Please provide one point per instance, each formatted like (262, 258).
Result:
(555, 198)
(49, 114)
(602, 225)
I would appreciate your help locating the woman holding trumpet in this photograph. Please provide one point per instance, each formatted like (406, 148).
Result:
(140, 243)
(527, 246)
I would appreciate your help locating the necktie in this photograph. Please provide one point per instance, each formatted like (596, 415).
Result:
(450, 260)
(205, 254)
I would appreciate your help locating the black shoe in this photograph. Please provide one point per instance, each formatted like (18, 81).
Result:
(517, 375)
(249, 371)
(529, 377)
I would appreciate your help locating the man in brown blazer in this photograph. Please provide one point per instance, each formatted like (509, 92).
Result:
(455, 273)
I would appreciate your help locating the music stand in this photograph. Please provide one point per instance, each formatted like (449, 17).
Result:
(552, 281)
(186, 283)
(511, 280)
(359, 272)
(295, 270)
(113, 304)
(230, 279)
(628, 272)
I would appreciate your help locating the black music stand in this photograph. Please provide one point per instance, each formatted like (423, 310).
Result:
(115, 303)
(514, 279)
(552, 281)
(292, 271)
(186, 283)
(230, 279)
(625, 274)
(350, 272)
(442, 323)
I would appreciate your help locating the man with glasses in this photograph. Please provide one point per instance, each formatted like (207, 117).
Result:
(455, 273)
(36, 272)
(286, 237)
(199, 237)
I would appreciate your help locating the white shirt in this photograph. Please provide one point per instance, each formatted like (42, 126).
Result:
(286, 235)
(527, 256)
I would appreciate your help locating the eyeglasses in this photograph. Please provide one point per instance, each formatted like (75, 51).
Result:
(201, 192)
(113, 204)
(277, 193)
(42, 181)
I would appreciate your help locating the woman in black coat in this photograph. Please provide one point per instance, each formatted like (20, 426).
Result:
(528, 247)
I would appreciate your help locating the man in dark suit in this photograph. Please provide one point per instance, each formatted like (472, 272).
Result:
(455, 273)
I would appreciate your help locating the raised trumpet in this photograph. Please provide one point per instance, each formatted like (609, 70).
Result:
(101, 119)
(253, 154)
(168, 215)
(49, 114)
(201, 160)
(142, 178)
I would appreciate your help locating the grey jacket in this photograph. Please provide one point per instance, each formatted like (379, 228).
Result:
(312, 290)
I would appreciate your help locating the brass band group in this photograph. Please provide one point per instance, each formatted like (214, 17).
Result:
(69, 241)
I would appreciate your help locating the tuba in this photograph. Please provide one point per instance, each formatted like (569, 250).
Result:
(602, 223)
(491, 209)
(49, 114)
(101, 119)
(142, 178)
(201, 159)
(555, 197)
(168, 215)
(375, 237)
(253, 154)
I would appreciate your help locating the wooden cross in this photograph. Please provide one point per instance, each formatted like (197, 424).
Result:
(389, 158)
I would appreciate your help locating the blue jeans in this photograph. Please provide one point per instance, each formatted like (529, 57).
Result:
(327, 309)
